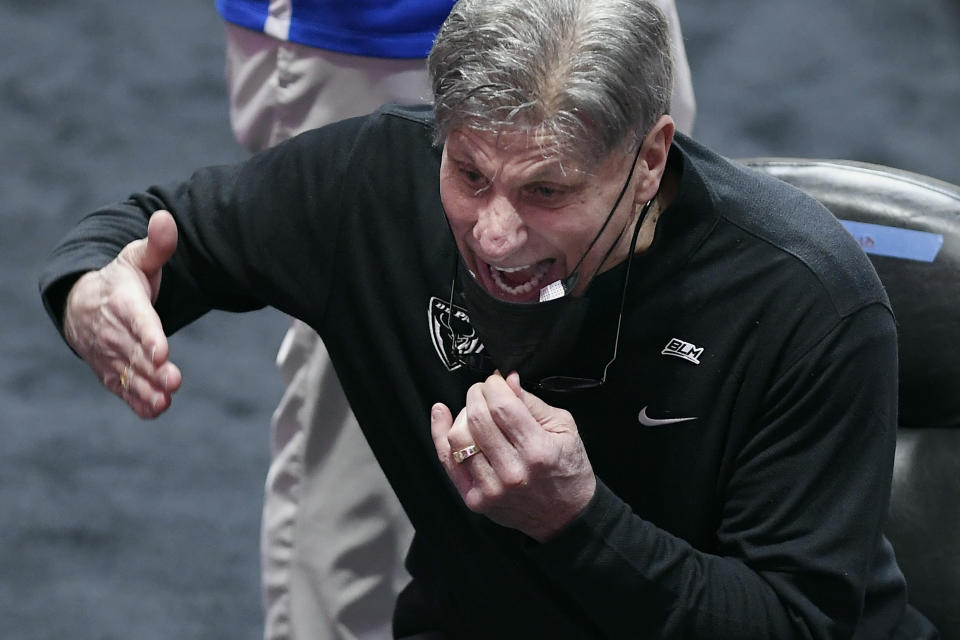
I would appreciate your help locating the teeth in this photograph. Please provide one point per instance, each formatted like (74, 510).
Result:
(520, 289)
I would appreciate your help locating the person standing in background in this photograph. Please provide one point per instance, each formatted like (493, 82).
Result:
(332, 560)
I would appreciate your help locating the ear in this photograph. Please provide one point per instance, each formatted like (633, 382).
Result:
(653, 158)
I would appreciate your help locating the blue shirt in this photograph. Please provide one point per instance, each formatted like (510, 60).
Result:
(377, 28)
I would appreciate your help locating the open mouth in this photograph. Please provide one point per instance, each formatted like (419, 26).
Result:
(521, 280)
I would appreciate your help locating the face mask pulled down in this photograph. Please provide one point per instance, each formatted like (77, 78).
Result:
(531, 339)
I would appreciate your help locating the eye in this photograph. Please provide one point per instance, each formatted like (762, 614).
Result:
(473, 179)
(472, 176)
(545, 193)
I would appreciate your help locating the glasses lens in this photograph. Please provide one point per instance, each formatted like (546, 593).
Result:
(563, 384)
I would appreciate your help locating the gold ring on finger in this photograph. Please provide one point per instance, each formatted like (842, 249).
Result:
(125, 377)
(462, 454)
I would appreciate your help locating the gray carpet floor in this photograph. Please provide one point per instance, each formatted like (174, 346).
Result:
(111, 527)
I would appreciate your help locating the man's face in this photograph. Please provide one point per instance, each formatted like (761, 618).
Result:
(522, 220)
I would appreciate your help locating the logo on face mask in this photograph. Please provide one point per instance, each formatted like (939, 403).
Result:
(451, 333)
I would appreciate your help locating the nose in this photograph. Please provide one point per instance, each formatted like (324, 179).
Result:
(499, 229)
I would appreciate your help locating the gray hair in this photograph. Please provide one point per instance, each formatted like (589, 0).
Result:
(586, 74)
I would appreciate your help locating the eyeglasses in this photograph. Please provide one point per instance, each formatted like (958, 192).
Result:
(566, 384)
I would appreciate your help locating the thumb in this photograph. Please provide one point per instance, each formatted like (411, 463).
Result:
(148, 255)
(151, 253)
(161, 241)
(441, 421)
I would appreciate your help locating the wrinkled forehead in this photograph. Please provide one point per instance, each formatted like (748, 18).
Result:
(570, 155)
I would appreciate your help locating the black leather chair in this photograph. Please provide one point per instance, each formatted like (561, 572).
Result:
(924, 520)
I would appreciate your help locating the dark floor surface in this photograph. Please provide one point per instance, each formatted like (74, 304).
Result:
(111, 527)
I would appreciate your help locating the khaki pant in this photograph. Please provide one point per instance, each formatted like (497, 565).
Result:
(333, 534)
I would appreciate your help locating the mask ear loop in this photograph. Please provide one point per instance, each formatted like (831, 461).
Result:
(565, 383)
(613, 245)
(453, 338)
(570, 281)
(626, 280)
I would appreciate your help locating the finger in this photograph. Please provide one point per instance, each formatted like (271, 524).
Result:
(539, 409)
(441, 424)
(475, 479)
(132, 330)
(508, 407)
(544, 414)
(147, 388)
(142, 409)
(478, 427)
(513, 381)
(154, 382)
(122, 381)
(131, 326)
(136, 391)
(148, 400)
(164, 376)
(486, 486)
(135, 374)
(485, 424)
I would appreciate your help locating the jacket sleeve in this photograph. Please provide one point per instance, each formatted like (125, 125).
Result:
(801, 515)
(238, 228)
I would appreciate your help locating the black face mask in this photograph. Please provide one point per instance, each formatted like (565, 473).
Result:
(530, 339)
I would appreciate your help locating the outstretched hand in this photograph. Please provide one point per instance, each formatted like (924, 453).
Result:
(109, 320)
(531, 473)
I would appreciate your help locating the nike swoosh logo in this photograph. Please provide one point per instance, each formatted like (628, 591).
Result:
(647, 421)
